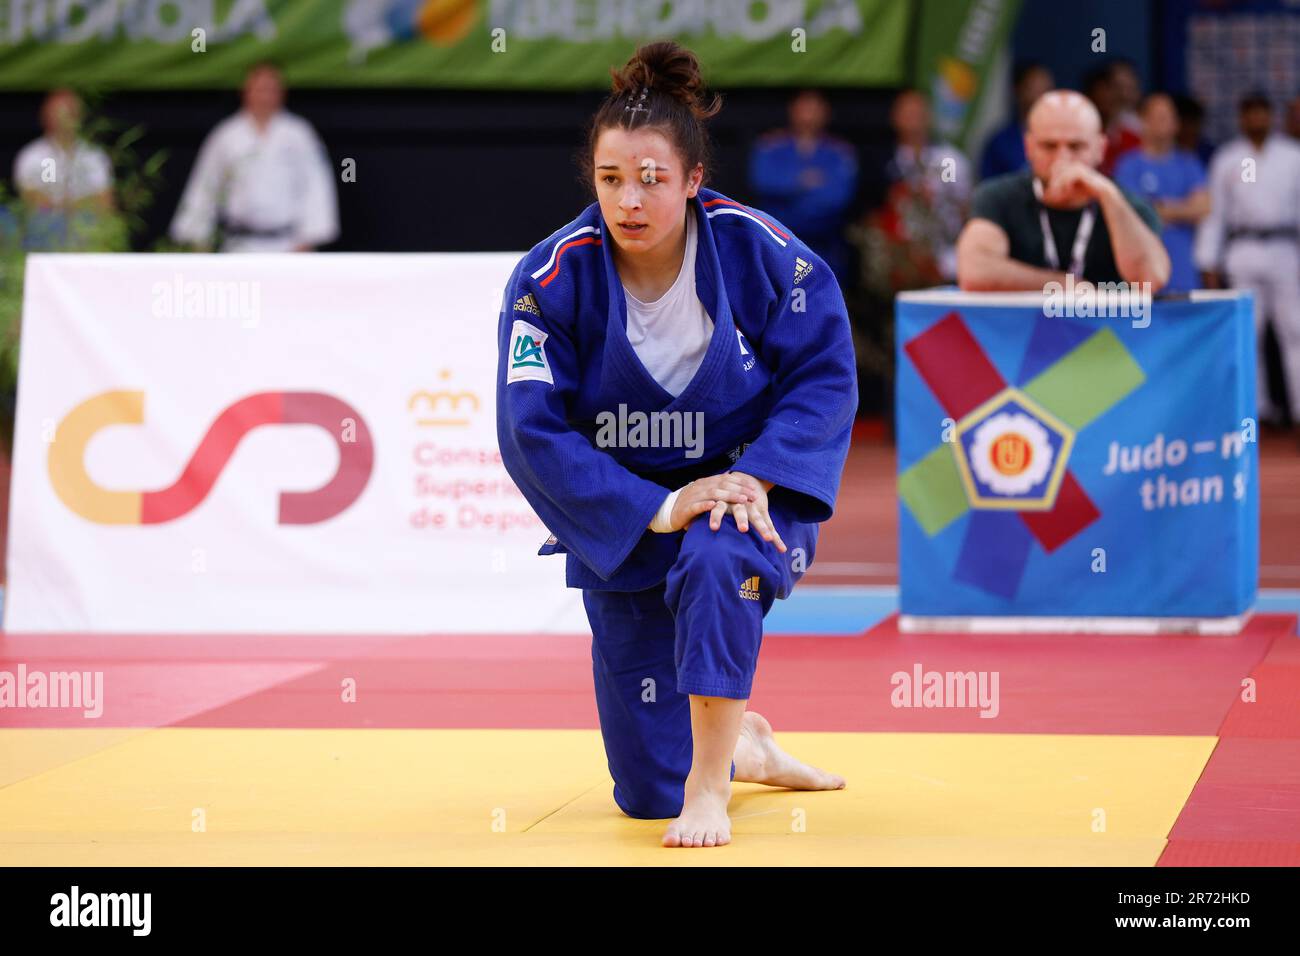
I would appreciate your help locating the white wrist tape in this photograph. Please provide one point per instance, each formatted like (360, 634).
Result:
(662, 522)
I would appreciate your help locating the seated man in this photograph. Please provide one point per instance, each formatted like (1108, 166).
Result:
(1030, 228)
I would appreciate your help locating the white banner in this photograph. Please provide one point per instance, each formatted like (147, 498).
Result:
(269, 443)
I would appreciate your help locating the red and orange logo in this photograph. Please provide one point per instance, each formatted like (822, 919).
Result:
(1011, 453)
(81, 494)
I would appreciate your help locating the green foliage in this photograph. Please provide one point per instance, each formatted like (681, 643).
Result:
(24, 229)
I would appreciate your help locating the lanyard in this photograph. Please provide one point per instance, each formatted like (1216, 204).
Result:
(1081, 237)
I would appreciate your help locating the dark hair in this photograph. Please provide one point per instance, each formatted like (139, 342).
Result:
(1121, 63)
(1255, 99)
(60, 91)
(1189, 108)
(1095, 77)
(1105, 73)
(266, 63)
(910, 91)
(1146, 99)
(1023, 69)
(660, 88)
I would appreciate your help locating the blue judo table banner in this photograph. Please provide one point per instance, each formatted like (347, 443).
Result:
(1078, 468)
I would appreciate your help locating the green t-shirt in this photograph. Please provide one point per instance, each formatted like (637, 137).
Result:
(1010, 202)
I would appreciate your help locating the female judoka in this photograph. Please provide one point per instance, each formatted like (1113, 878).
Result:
(720, 345)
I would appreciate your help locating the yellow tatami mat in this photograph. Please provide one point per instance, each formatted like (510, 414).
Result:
(517, 797)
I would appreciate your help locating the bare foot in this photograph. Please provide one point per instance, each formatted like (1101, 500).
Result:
(704, 820)
(760, 760)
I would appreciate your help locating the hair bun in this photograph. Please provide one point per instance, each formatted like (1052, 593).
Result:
(669, 68)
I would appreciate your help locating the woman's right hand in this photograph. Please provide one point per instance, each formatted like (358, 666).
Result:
(702, 496)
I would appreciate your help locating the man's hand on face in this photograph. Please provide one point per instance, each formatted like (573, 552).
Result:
(1072, 183)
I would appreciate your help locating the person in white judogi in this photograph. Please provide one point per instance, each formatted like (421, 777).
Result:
(61, 170)
(262, 181)
(1252, 236)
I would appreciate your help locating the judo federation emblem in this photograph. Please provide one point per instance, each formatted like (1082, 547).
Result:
(1002, 479)
(1012, 454)
(527, 357)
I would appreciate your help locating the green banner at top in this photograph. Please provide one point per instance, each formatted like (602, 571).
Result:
(495, 44)
(958, 41)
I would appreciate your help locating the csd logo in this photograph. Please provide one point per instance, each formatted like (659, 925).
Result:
(93, 502)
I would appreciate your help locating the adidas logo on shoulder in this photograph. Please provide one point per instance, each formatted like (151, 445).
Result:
(526, 303)
(802, 267)
(749, 588)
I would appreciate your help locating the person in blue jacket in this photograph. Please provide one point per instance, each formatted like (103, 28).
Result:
(1005, 150)
(807, 179)
(1172, 181)
(676, 390)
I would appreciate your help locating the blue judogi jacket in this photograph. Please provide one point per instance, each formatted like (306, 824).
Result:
(777, 387)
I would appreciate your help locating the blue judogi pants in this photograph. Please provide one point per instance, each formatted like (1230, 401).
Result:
(697, 633)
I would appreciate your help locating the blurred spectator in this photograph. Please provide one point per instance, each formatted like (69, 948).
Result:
(1173, 181)
(1031, 228)
(1128, 92)
(1191, 120)
(1113, 89)
(1293, 118)
(1251, 237)
(64, 181)
(807, 178)
(1005, 152)
(910, 241)
(262, 181)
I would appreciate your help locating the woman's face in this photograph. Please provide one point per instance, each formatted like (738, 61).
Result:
(642, 188)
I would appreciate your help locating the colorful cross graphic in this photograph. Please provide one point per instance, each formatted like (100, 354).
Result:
(1069, 376)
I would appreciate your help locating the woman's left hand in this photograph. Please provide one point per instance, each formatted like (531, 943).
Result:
(752, 512)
